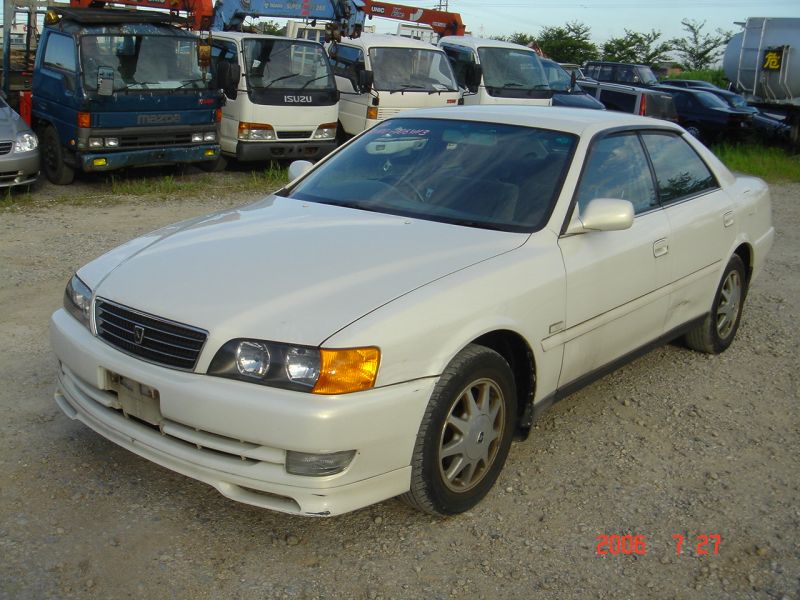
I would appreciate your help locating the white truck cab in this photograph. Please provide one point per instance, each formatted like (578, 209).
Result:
(285, 104)
(495, 72)
(381, 75)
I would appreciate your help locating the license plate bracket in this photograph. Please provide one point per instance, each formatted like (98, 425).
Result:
(136, 399)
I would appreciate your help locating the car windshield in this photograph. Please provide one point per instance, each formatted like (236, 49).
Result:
(142, 62)
(284, 64)
(646, 76)
(709, 100)
(737, 102)
(411, 70)
(484, 175)
(509, 69)
(557, 78)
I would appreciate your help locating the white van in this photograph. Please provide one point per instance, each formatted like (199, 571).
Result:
(495, 72)
(285, 105)
(381, 75)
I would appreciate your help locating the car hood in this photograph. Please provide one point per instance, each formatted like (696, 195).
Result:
(286, 270)
(10, 122)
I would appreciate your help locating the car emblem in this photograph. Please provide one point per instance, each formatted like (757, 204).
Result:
(138, 334)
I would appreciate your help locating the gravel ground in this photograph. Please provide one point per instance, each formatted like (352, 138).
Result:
(674, 443)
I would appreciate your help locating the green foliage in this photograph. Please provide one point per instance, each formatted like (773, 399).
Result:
(523, 39)
(699, 50)
(639, 48)
(271, 28)
(715, 76)
(569, 44)
(773, 164)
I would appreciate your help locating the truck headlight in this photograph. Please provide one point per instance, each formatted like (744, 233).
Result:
(78, 300)
(95, 142)
(326, 131)
(26, 142)
(301, 368)
(209, 136)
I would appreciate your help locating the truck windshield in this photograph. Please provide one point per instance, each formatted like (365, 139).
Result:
(411, 70)
(508, 72)
(149, 62)
(286, 65)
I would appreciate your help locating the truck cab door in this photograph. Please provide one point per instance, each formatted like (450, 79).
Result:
(55, 84)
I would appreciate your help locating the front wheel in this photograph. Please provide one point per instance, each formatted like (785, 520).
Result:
(465, 435)
(52, 153)
(719, 328)
(214, 166)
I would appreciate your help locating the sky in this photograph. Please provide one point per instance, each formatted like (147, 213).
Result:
(606, 18)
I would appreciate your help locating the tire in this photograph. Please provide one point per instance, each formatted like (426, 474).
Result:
(719, 328)
(477, 392)
(52, 154)
(214, 166)
(341, 135)
(694, 131)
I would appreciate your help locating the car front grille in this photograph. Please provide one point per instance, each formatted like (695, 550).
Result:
(5, 147)
(294, 135)
(155, 140)
(149, 337)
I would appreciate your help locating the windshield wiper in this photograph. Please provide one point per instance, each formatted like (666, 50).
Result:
(478, 224)
(305, 85)
(407, 86)
(280, 78)
(186, 82)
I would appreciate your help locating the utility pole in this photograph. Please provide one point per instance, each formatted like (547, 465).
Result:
(441, 5)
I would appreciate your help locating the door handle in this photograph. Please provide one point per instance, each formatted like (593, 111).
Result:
(728, 219)
(660, 247)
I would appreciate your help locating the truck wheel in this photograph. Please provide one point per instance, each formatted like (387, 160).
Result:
(53, 165)
(465, 434)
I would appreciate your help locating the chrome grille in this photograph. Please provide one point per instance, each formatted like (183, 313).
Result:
(5, 147)
(157, 140)
(294, 135)
(149, 337)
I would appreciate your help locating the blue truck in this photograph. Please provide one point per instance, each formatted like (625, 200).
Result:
(117, 88)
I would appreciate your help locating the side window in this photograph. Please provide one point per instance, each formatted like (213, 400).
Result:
(680, 172)
(60, 53)
(222, 51)
(619, 101)
(460, 60)
(617, 168)
(606, 73)
(345, 63)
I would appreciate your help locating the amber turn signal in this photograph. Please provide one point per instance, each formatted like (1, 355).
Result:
(347, 370)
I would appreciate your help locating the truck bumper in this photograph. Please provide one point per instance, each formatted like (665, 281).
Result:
(253, 151)
(151, 156)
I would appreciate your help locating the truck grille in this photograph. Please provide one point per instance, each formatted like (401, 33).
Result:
(149, 337)
(5, 147)
(157, 140)
(294, 135)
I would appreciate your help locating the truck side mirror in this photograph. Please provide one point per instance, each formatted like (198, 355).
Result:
(365, 80)
(473, 77)
(228, 75)
(105, 81)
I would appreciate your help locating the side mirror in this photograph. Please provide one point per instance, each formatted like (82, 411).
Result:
(105, 81)
(228, 75)
(365, 80)
(299, 168)
(603, 214)
(473, 76)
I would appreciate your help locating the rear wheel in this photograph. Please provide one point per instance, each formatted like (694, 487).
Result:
(719, 328)
(694, 131)
(465, 435)
(52, 153)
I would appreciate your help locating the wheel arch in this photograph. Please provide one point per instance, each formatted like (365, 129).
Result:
(745, 252)
(519, 355)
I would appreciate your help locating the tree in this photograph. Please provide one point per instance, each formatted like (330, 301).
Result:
(271, 28)
(523, 39)
(698, 50)
(568, 44)
(634, 47)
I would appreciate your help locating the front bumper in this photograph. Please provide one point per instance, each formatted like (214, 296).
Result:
(253, 151)
(19, 169)
(234, 435)
(119, 159)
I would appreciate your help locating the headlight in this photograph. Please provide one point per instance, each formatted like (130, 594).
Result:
(197, 137)
(302, 368)
(326, 131)
(78, 300)
(209, 136)
(26, 142)
(256, 131)
(95, 142)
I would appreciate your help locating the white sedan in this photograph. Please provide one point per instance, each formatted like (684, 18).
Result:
(389, 321)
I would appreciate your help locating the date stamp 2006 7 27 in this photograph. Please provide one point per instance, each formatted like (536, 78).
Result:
(704, 544)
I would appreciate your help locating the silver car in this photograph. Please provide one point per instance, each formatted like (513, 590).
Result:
(19, 149)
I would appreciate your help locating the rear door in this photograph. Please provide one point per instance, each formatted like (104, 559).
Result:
(702, 221)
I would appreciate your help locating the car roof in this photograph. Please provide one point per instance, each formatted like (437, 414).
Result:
(577, 121)
(371, 40)
(239, 35)
(469, 41)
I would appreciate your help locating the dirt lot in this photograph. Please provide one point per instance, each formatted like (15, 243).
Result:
(676, 443)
